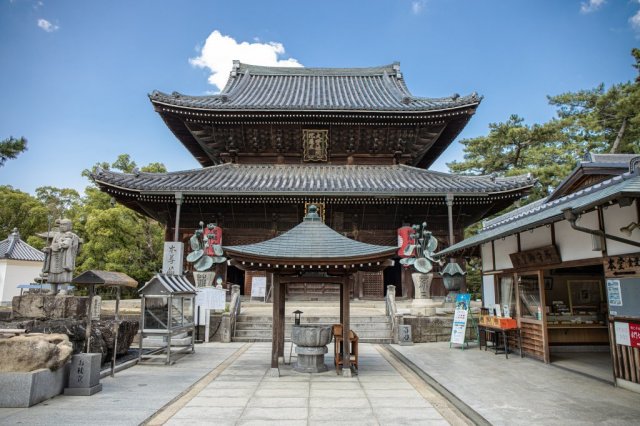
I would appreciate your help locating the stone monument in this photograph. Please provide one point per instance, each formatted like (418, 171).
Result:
(60, 256)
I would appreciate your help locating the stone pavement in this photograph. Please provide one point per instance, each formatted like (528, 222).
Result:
(245, 394)
(229, 384)
(130, 397)
(523, 391)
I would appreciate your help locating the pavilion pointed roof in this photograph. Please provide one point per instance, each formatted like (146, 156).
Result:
(311, 243)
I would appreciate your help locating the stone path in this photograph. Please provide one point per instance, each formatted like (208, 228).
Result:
(244, 394)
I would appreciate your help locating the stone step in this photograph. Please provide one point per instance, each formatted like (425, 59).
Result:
(266, 335)
(329, 319)
(287, 340)
(250, 325)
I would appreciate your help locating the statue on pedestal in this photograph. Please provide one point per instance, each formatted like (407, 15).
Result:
(60, 256)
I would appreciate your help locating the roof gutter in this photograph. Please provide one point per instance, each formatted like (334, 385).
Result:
(571, 217)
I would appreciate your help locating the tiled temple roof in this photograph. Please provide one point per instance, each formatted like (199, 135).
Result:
(16, 249)
(252, 87)
(548, 210)
(311, 240)
(239, 179)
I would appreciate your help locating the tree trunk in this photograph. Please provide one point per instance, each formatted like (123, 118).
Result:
(616, 143)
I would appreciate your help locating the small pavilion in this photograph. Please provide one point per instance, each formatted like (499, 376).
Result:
(311, 251)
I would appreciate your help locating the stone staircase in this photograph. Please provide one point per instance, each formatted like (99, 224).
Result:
(257, 328)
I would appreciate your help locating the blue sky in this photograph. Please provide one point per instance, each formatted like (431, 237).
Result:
(75, 74)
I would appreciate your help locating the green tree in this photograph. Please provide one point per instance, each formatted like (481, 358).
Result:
(22, 211)
(10, 148)
(600, 119)
(515, 148)
(116, 237)
(59, 201)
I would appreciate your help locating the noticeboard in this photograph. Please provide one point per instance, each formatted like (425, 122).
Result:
(258, 287)
(623, 297)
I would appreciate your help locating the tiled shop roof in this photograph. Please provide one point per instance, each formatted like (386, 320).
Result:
(311, 240)
(544, 211)
(239, 179)
(16, 249)
(252, 87)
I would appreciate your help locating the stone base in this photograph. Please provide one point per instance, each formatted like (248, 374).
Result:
(426, 307)
(20, 390)
(274, 372)
(83, 391)
(346, 372)
(310, 359)
(84, 377)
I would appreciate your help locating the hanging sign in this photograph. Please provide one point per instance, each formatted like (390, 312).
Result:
(172, 258)
(459, 327)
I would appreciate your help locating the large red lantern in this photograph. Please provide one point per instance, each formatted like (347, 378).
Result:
(405, 240)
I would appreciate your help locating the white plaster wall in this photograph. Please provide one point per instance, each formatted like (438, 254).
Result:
(503, 248)
(488, 290)
(540, 237)
(3, 273)
(14, 272)
(575, 245)
(616, 217)
(487, 257)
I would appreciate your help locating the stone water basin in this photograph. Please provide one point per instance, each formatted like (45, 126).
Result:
(311, 344)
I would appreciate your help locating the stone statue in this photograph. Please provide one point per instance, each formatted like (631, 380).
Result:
(60, 256)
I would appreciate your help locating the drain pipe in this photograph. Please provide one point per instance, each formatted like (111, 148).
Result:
(571, 217)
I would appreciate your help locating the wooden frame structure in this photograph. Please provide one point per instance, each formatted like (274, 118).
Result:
(310, 252)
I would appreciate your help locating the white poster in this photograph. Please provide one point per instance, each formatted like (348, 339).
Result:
(622, 333)
(172, 258)
(209, 299)
(459, 326)
(614, 293)
(258, 286)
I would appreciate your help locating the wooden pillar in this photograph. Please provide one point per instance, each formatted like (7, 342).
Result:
(275, 320)
(344, 309)
(281, 321)
(341, 299)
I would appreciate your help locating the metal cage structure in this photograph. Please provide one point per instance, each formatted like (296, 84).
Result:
(166, 320)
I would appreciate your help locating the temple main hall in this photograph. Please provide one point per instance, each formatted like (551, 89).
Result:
(352, 141)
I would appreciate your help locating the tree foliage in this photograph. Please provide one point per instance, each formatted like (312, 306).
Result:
(22, 211)
(11, 147)
(114, 237)
(595, 120)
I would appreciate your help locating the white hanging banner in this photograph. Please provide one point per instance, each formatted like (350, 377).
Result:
(258, 287)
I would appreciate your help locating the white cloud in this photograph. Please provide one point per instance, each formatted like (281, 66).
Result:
(417, 6)
(591, 6)
(635, 21)
(219, 51)
(47, 26)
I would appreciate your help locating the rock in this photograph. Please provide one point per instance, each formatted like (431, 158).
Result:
(101, 334)
(48, 306)
(29, 353)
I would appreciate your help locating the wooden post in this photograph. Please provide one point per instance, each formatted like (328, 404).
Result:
(116, 327)
(281, 321)
(341, 301)
(344, 309)
(275, 319)
(92, 290)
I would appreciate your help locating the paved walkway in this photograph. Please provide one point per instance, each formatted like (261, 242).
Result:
(519, 391)
(229, 384)
(245, 394)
